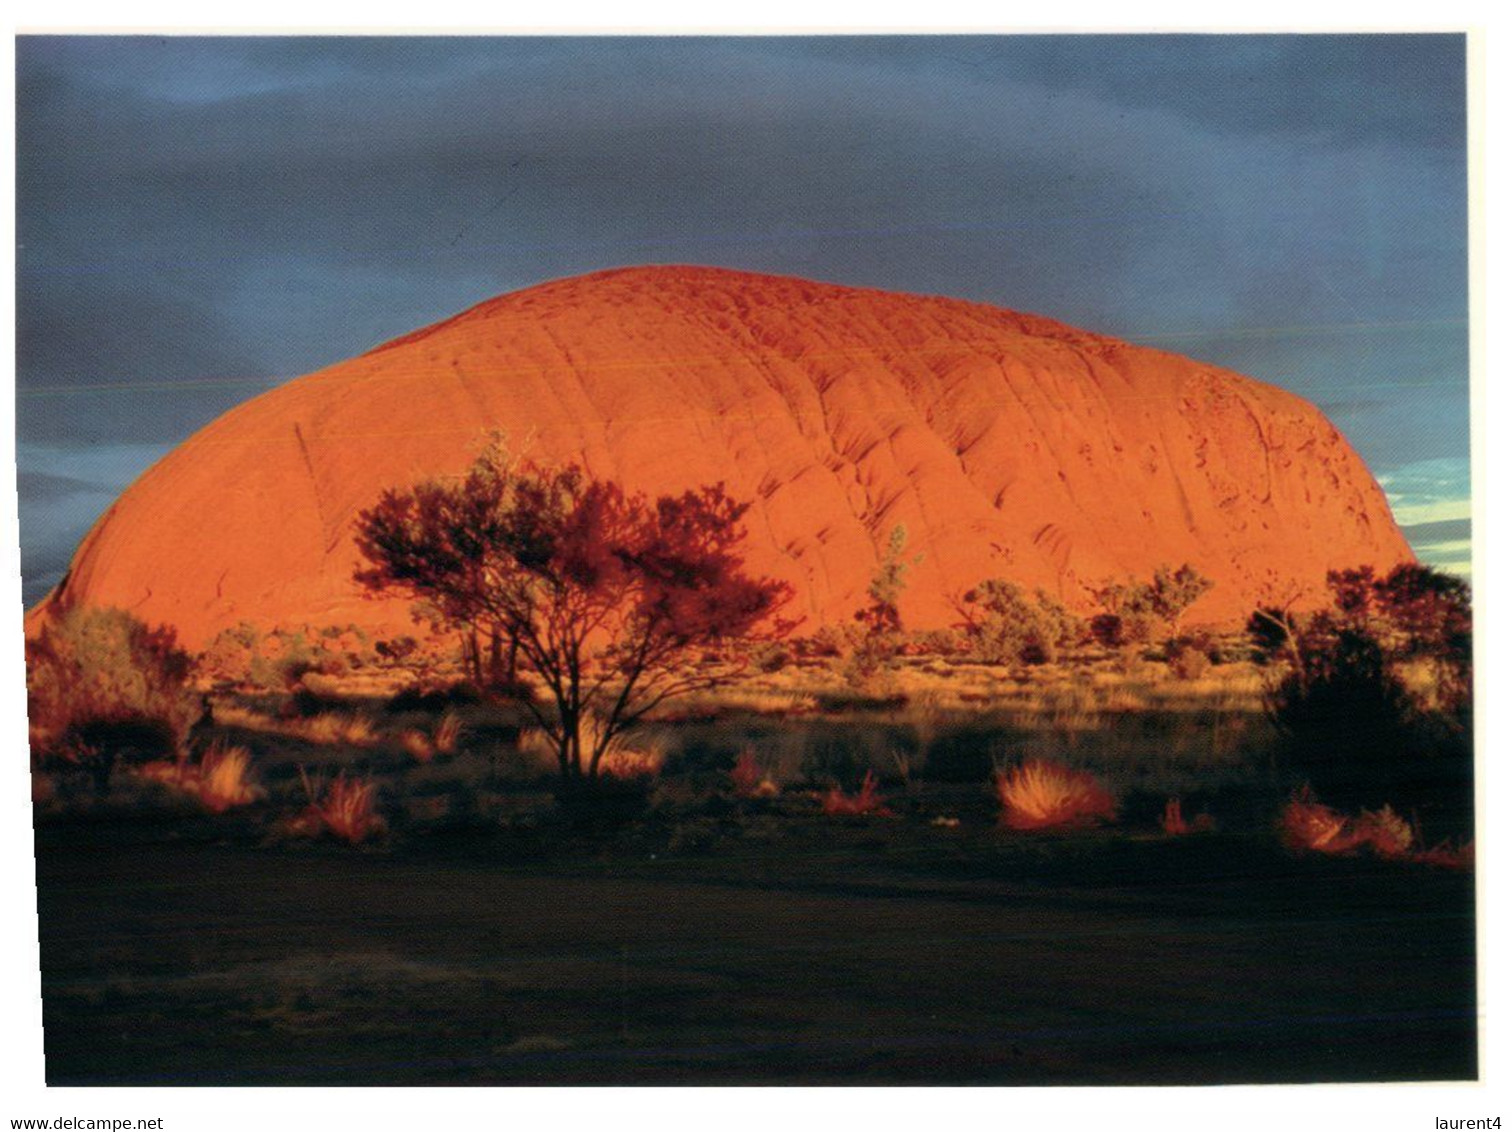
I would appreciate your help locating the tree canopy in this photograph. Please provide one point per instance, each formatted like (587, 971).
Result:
(606, 594)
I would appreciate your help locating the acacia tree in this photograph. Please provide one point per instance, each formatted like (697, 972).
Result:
(605, 594)
(1134, 607)
(1005, 625)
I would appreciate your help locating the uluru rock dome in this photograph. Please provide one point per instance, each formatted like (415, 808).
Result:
(1007, 444)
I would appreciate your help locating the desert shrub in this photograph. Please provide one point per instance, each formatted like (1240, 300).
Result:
(101, 685)
(632, 764)
(1108, 630)
(1384, 832)
(1142, 607)
(1041, 795)
(940, 642)
(280, 660)
(1188, 662)
(1446, 855)
(228, 658)
(871, 664)
(880, 615)
(1422, 613)
(1306, 823)
(1350, 723)
(771, 656)
(873, 646)
(224, 778)
(395, 651)
(1346, 721)
(334, 728)
(829, 641)
(1006, 626)
(1350, 727)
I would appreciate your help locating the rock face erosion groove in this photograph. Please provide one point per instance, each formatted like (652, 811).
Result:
(1008, 444)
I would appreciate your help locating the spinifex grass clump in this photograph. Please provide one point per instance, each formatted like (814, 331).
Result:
(1307, 824)
(337, 728)
(448, 734)
(1043, 795)
(224, 781)
(346, 809)
(220, 781)
(417, 744)
(750, 779)
(865, 801)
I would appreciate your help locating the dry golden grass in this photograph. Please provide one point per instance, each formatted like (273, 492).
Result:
(235, 715)
(1042, 795)
(327, 729)
(639, 755)
(334, 727)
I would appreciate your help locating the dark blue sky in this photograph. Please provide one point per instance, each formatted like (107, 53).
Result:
(200, 219)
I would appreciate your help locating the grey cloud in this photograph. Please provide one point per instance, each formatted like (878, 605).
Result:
(1445, 530)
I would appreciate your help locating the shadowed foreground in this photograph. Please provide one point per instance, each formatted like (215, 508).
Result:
(850, 959)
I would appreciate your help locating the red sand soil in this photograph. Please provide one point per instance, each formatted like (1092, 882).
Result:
(1008, 444)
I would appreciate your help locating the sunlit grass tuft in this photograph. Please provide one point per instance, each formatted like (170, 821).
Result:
(346, 809)
(224, 780)
(1042, 795)
(449, 731)
(220, 781)
(417, 744)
